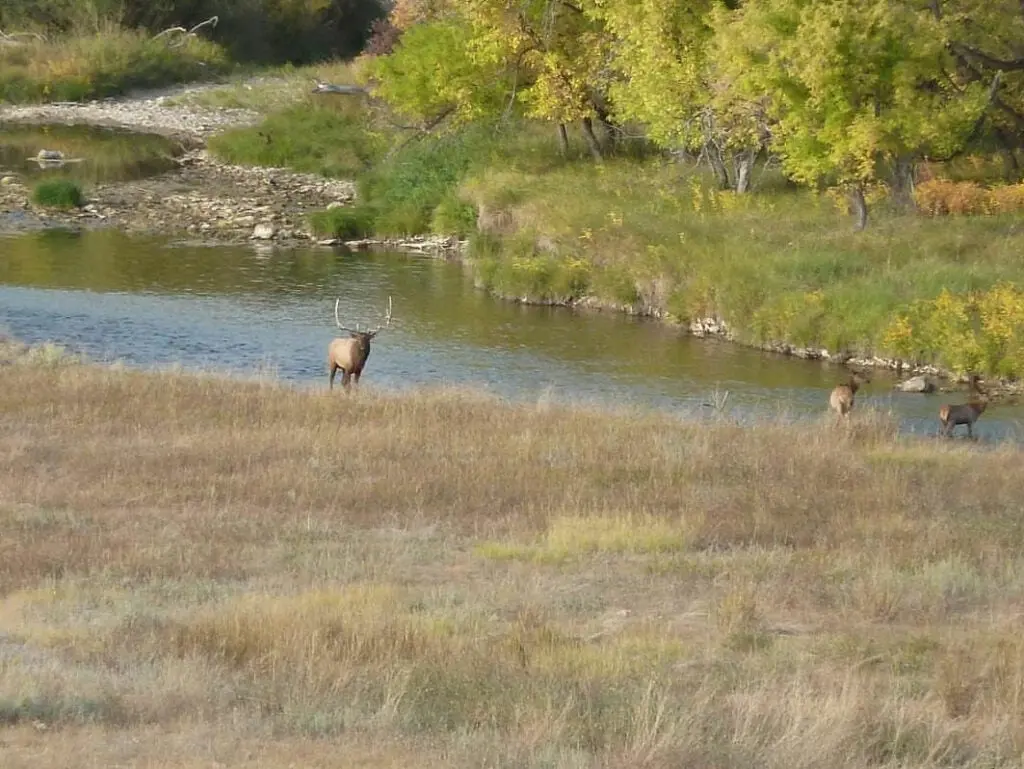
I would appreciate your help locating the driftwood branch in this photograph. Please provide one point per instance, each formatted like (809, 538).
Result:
(11, 38)
(423, 130)
(322, 87)
(186, 33)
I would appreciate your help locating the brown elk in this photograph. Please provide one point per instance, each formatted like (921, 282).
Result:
(842, 397)
(964, 413)
(350, 353)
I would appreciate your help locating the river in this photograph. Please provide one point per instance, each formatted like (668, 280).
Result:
(240, 310)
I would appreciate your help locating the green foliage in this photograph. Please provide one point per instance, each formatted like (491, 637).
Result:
(661, 53)
(453, 216)
(99, 65)
(482, 57)
(407, 188)
(58, 193)
(319, 136)
(849, 84)
(432, 72)
(342, 222)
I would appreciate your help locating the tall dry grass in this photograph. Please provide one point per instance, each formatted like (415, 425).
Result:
(197, 570)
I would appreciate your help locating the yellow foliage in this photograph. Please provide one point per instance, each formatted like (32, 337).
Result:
(967, 332)
(939, 197)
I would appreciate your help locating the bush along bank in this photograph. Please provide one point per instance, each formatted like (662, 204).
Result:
(779, 269)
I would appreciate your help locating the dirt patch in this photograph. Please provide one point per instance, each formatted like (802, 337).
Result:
(143, 111)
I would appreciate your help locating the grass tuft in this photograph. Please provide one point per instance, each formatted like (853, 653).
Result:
(58, 193)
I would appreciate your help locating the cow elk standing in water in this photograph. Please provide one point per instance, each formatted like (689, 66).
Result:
(842, 397)
(964, 413)
(350, 353)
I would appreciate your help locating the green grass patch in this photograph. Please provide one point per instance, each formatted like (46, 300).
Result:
(106, 63)
(328, 137)
(58, 193)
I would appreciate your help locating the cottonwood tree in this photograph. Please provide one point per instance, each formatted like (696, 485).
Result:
(545, 58)
(666, 83)
(851, 87)
(434, 73)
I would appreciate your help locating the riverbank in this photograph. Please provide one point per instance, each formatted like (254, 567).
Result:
(197, 568)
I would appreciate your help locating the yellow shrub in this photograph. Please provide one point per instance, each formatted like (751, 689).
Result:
(939, 197)
(1007, 199)
(979, 331)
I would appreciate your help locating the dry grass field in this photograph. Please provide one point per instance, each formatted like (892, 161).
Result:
(196, 572)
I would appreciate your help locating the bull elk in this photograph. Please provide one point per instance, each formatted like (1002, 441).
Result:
(350, 353)
(842, 397)
(964, 413)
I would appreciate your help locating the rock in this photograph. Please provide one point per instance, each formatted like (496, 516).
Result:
(263, 231)
(916, 384)
(334, 204)
(7, 181)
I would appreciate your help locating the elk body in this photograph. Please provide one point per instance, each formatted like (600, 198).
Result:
(964, 413)
(351, 353)
(842, 397)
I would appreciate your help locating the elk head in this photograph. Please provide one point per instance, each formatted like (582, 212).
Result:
(351, 353)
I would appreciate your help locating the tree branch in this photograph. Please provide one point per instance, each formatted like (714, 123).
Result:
(1011, 65)
(979, 124)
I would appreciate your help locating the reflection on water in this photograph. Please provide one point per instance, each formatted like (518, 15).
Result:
(238, 309)
(90, 154)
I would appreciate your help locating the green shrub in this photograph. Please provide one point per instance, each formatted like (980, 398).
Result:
(342, 222)
(453, 217)
(103, 64)
(58, 193)
(407, 189)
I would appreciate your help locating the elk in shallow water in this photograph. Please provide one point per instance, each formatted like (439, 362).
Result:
(351, 353)
(842, 397)
(964, 413)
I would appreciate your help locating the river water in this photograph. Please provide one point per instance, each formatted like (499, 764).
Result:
(245, 309)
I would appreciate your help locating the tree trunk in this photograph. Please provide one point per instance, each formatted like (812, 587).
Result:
(592, 143)
(904, 176)
(563, 139)
(859, 207)
(605, 118)
(717, 165)
(744, 163)
(1008, 150)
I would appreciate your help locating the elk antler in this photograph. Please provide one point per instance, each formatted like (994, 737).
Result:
(337, 320)
(387, 318)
